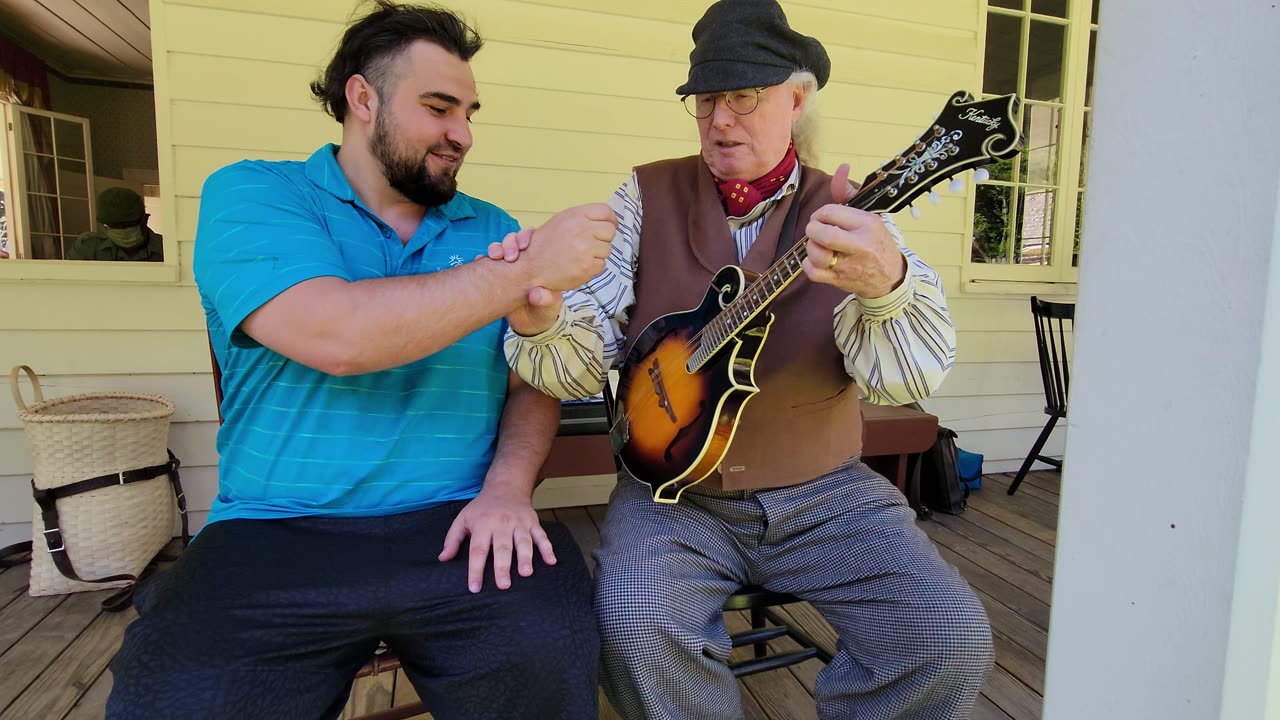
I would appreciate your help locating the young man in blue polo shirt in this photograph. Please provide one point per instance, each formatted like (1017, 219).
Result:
(376, 450)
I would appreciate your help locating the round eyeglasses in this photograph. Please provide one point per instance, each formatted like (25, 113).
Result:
(742, 102)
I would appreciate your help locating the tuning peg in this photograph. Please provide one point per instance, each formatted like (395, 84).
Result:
(956, 186)
(981, 175)
(915, 212)
(933, 198)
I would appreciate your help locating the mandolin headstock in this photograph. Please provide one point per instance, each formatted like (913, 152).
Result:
(967, 134)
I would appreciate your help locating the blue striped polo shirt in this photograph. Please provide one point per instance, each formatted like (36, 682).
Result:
(296, 441)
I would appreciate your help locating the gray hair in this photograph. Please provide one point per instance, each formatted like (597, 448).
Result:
(804, 133)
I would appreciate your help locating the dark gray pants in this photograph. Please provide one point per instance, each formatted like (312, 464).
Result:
(914, 641)
(272, 618)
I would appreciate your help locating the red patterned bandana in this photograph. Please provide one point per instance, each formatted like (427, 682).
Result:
(741, 197)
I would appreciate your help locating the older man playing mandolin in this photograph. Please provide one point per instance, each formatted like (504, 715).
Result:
(791, 507)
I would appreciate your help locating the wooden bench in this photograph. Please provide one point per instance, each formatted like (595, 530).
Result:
(890, 435)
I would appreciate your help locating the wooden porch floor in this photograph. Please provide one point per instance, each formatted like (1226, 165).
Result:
(54, 650)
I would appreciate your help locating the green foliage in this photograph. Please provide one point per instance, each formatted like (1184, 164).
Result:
(991, 216)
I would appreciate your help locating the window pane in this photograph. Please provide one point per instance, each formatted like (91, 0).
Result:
(1000, 71)
(1001, 169)
(69, 139)
(1093, 48)
(45, 247)
(1040, 145)
(991, 224)
(1044, 61)
(1014, 4)
(37, 133)
(1035, 226)
(1075, 252)
(40, 174)
(42, 214)
(1084, 148)
(75, 217)
(4, 229)
(1056, 8)
(72, 179)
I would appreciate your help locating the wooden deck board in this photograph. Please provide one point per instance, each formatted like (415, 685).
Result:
(25, 612)
(1014, 626)
(44, 643)
(987, 710)
(1044, 513)
(995, 504)
(584, 530)
(1033, 585)
(1019, 662)
(56, 691)
(1008, 533)
(606, 710)
(1018, 555)
(13, 583)
(1028, 486)
(1017, 700)
(93, 704)
(54, 651)
(1049, 481)
(370, 694)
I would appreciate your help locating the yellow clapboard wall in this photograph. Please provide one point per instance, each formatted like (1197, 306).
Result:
(575, 93)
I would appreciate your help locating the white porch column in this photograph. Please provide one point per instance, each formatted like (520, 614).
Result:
(1167, 583)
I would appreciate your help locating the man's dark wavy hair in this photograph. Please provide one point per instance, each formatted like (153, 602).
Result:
(371, 46)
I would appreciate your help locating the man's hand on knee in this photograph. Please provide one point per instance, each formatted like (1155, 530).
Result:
(503, 522)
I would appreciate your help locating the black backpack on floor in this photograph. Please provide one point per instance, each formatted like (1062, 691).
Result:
(935, 478)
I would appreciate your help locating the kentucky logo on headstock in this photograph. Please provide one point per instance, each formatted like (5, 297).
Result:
(976, 115)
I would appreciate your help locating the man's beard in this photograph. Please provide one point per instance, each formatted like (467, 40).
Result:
(409, 175)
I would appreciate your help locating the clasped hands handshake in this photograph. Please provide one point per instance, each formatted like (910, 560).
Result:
(563, 254)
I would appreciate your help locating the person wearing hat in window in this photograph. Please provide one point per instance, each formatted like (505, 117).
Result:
(792, 507)
(126, 236)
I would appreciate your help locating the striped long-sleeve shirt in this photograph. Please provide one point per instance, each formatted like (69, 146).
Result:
(897, 348)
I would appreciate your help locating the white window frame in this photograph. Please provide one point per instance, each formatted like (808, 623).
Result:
(1060, 276)
(17, 267)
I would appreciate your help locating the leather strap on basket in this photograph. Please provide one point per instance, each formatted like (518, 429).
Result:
(55, 545)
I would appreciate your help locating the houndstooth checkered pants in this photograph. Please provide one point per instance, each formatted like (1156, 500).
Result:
(914, 641)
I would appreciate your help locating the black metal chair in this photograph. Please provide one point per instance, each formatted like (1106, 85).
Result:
(766, 624)
(1051, 344)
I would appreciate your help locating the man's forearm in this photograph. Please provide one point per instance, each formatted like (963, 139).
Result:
(529, 424)
(352, 328)
(898, 348)
(399, 320)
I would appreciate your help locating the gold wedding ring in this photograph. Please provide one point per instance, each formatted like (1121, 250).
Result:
(831, 264)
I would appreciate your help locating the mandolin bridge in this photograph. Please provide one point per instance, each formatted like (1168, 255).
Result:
(660, 388)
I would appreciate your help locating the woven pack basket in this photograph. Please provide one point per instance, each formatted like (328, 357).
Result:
(101, 464)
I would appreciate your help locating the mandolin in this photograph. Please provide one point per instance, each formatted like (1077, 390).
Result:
(689, 374)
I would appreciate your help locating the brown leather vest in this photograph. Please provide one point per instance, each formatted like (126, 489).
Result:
(806, 419)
